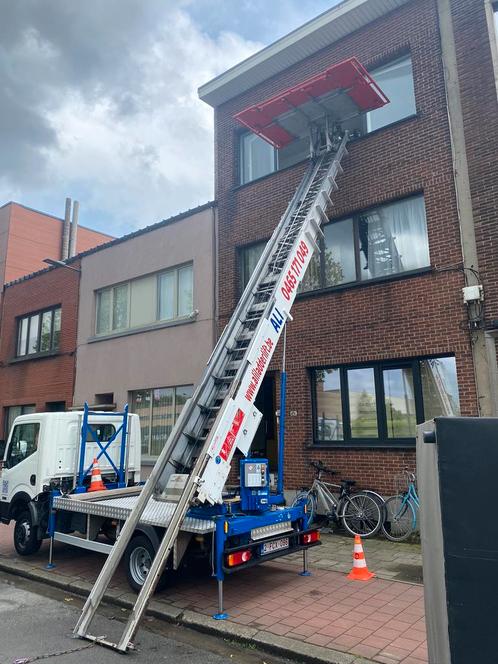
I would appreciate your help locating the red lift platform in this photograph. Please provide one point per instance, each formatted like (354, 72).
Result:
(341, 92)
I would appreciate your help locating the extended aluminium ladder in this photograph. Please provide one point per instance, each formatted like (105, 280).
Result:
(221, 415)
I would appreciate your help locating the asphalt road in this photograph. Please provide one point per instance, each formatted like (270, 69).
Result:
(36, 624)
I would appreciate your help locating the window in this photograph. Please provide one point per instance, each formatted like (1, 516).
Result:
(381, 403)
(158, 408)
(396, 81)
(258, 158)
(175, 293)
(249, 257)
(14, 411)
(492, 21)
(24, 443)
(104, 432)
(381, 242)
(145, 301)
(39, 333)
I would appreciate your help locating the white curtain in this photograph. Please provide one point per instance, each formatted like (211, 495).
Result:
(394, 239)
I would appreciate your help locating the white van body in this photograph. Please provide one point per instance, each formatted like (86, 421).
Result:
(56, 458)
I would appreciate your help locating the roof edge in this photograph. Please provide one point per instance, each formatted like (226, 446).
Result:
(294, 47)
(124, 238)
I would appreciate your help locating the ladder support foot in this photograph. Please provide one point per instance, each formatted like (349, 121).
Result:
(220, 616)
(306, 573)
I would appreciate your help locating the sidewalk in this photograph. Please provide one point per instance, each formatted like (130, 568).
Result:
(322, 618)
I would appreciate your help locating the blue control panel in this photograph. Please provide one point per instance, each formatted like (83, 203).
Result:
(254, 485)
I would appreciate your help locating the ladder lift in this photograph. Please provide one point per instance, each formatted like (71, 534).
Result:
(221, 415)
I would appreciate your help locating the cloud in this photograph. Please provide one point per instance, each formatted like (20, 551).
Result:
(99, 100)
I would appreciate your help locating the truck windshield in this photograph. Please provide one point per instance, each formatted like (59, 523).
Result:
(23, 443)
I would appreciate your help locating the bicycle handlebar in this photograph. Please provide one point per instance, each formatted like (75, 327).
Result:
(319, 465)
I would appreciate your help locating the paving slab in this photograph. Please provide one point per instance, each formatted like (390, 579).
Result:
(321, 618)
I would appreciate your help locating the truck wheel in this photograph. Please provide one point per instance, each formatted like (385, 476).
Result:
(26, 539)
(138, 560)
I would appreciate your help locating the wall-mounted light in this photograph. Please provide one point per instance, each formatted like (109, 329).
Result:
(54, 263)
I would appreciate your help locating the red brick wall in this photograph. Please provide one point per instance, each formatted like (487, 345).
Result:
(420, 315)
(34, 236)
(37, 381)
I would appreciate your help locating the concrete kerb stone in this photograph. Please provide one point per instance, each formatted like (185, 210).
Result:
(281, 645)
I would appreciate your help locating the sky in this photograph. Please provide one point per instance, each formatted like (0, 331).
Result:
(98, 100)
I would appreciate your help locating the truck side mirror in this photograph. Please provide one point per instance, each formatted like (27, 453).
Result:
(2, 448)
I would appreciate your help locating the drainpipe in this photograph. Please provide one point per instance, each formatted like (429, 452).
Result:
(486, 407)
(65, 230)
(74, 229)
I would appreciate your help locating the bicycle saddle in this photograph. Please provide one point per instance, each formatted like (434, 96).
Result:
(348, 482)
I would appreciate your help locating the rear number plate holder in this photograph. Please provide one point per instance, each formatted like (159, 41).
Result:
(276, 545)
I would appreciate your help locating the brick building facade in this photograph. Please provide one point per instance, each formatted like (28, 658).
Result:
(29, 236)
(37, 357)
(391, 327)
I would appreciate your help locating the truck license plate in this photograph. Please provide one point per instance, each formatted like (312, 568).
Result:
(276, 545)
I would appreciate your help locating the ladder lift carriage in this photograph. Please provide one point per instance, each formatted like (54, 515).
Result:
(221, 414)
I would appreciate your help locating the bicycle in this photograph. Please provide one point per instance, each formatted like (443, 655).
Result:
(401, 512)
(360, 513)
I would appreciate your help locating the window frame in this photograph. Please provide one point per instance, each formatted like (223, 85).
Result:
(391, 60)
(358, 281)
(491, 9)
(147, 456)
(9, 421)
(28, 317)
(158, 321)
(8, 454)
(383, 440)
(355, 217)
(176, 298)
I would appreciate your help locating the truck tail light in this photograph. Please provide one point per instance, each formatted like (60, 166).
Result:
(238, 558)
(308, 538)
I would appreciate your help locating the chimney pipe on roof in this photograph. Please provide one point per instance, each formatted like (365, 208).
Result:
(74, 229)
(65, 230)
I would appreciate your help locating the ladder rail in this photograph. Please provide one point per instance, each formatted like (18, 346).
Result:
(220, 354)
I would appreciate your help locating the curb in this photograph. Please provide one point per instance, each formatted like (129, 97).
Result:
(266, 641)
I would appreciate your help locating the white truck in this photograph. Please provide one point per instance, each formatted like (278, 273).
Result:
(43, 452)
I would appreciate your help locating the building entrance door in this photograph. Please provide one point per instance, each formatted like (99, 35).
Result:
(265, 441)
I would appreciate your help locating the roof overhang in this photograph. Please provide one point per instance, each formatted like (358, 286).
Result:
(311, 37)
(341, 92)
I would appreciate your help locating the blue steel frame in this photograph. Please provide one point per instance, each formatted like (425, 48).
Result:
(87, 428)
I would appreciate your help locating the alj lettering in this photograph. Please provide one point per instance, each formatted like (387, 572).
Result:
(295, 270)
(229, 441)
(276, 319)
(258, 369)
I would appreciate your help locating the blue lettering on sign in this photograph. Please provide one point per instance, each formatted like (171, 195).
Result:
(276, 319)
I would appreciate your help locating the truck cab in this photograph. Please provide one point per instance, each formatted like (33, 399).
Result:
(43, 452)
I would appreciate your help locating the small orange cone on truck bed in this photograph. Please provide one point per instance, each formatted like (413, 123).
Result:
(360, 570)
(96, 483)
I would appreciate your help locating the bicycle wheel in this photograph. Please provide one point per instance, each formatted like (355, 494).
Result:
(310, 504)
(361, 515)
(400, 519)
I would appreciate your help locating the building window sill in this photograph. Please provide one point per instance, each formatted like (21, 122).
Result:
(146, 328)
(407, 443)
(35, 356)
(367, 282)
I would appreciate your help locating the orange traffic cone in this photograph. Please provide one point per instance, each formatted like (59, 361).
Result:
(96, 483)
(360, 570)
